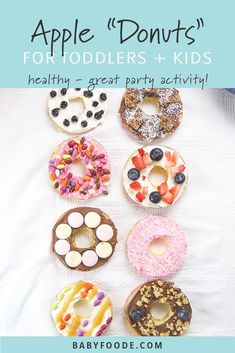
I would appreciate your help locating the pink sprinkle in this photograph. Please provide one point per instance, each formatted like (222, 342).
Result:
(141, 236)
(85, 185)
(63, 176)
(99, 333)
(69, 175)
(103, 327)
(100, 156)
(75, 153)
(109, 319)
(62, 190)
(84, 146)
(80, 180)
(71, 143)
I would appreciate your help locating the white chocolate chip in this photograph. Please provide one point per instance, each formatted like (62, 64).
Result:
(75, 219)
(89, 258)
(104, 249)
(92, 219)
(73, 259)
(104, 232)
(63, 231)
(62, 247)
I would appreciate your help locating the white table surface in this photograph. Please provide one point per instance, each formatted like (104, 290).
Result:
(31, 276)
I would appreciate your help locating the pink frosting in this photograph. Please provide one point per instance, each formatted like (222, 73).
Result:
(97, 184)
(140, 238)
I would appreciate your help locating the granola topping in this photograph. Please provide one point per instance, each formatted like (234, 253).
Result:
(139, 317)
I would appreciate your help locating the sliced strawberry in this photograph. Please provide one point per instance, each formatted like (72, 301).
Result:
(140, 196)
(147, 160)
(175, 190)
(181, 168)
(175, 157)
(135, 186)
(163, 188)
(168, 198)
(138, 162)
(173, 171)
(145, 190)
(141, 151)
(168, 155)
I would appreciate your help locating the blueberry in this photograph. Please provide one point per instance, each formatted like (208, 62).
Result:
(99, 114)
(53, 94)
(89, 114)
(66, 122)
(63, 91)
(88, 94)
(136, 315)
(63, 104)
(155, 197)
(183, 314)
(55, 112)
(133, 174)
(156, 154)
(74, 119)
(103, 97)
(84, 123)
(179, 178)
(95, 103)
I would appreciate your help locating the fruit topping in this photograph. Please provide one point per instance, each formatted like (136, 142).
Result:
(103, 97)
(156, 154)
(175, 190)
(179, 178)
(168, 198)
(183, 314)
(55, 112)
(140, 196)
(138, 162)
(133, 174)
(136, 315)
(168, 155)
(163, 188)
(175, 157)
(181, 168)
(146, 158)
(135, 186)
(63, 104)
(141, 152)
(145, 190)
(63, 91)
(155, 197)
(53, 94)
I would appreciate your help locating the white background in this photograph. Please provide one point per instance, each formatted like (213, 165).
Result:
(30, 274)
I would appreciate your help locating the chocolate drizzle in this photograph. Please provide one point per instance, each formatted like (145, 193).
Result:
(105, 219)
